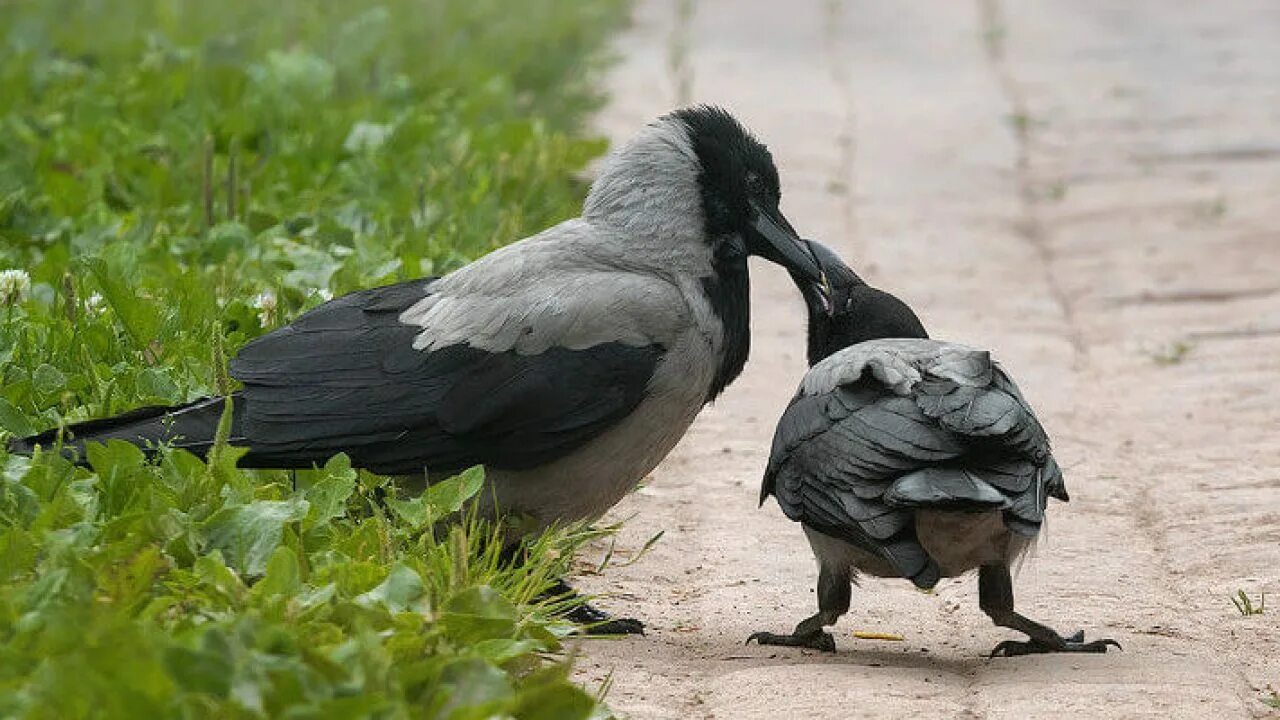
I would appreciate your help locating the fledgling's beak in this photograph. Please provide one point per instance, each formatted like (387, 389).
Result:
(825, 293)
(819, 295)
(778, 242)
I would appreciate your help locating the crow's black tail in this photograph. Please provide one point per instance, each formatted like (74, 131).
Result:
(191, 427)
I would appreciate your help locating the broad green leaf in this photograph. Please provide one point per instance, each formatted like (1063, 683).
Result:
(415, 511)
(328, 496)
(248, 534)
(555, 701)
(12, 420)
(200, 671)
(450, 495)
(501, 650)
(48, 379)
(115, 271)
(440, 499)
(15, 468)
(156, 385)
(213, 572)
(19, 550)
(117, 456)
(283, 576)
(474, 690)
(477, 614)
(398, 592)
(315, 597)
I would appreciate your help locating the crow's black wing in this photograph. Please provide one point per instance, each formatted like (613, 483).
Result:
(345, 377)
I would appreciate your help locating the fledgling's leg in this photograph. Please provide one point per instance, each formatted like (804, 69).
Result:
(995, 597)
(834, 593)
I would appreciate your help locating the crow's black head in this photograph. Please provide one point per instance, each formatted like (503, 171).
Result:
(848, 311)
(740, 191)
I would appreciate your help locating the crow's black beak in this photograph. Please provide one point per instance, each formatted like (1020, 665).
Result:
(776, 241)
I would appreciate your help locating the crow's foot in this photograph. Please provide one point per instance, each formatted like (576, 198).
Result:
(1073, 644)
(595, 621)
(814, 641)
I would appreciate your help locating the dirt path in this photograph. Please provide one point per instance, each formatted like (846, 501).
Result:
(1089, 188)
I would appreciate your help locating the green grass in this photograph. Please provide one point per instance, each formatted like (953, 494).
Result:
(1244, 604)
(178, 177)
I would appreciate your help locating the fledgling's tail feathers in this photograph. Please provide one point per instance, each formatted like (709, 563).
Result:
(191, 427)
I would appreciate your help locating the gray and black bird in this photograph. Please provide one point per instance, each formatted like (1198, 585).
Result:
(568, 363)
(903, 456)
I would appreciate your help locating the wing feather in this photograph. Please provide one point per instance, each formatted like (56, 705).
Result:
(345, 377)
(856, 453)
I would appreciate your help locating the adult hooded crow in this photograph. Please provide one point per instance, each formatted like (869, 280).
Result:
(907, 457)
(568, 363)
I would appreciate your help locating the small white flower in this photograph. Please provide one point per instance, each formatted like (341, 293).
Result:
(325, 294)
(15, 285)
(265, 302)
(94, 303)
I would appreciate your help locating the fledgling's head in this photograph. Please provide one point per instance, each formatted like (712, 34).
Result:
(697, 175)
(846, 311)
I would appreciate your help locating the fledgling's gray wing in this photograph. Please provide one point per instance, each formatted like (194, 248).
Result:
(890, 427)
(836, 454)
(511, 374)
(1009, 448)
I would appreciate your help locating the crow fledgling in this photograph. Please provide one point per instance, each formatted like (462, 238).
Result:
(907, 457)
(568, 363)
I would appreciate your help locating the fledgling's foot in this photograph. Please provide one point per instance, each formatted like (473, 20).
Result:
(595, 621)
(816, 641)
(1073, 644)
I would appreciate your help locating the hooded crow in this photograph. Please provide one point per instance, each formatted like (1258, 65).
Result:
(907, 457)
(568, 363)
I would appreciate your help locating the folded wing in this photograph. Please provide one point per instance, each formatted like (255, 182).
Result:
(915, 425)
(345, 377)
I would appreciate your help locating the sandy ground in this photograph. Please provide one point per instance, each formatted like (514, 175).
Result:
(1088, 188)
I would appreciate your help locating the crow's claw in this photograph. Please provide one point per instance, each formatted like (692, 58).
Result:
(1073, 644)
(616, 626)
(817, 641)
(598, 622)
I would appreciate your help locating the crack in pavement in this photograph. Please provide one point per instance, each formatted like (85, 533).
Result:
(846, 181)
(1192, 296)
(1029, 227)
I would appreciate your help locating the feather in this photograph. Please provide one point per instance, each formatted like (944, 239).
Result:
(346, 378)
(944, 489)
(885, 428)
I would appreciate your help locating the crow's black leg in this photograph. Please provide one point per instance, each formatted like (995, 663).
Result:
(593, 620)
(834, 594)
(511, 555)
(995, 597)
